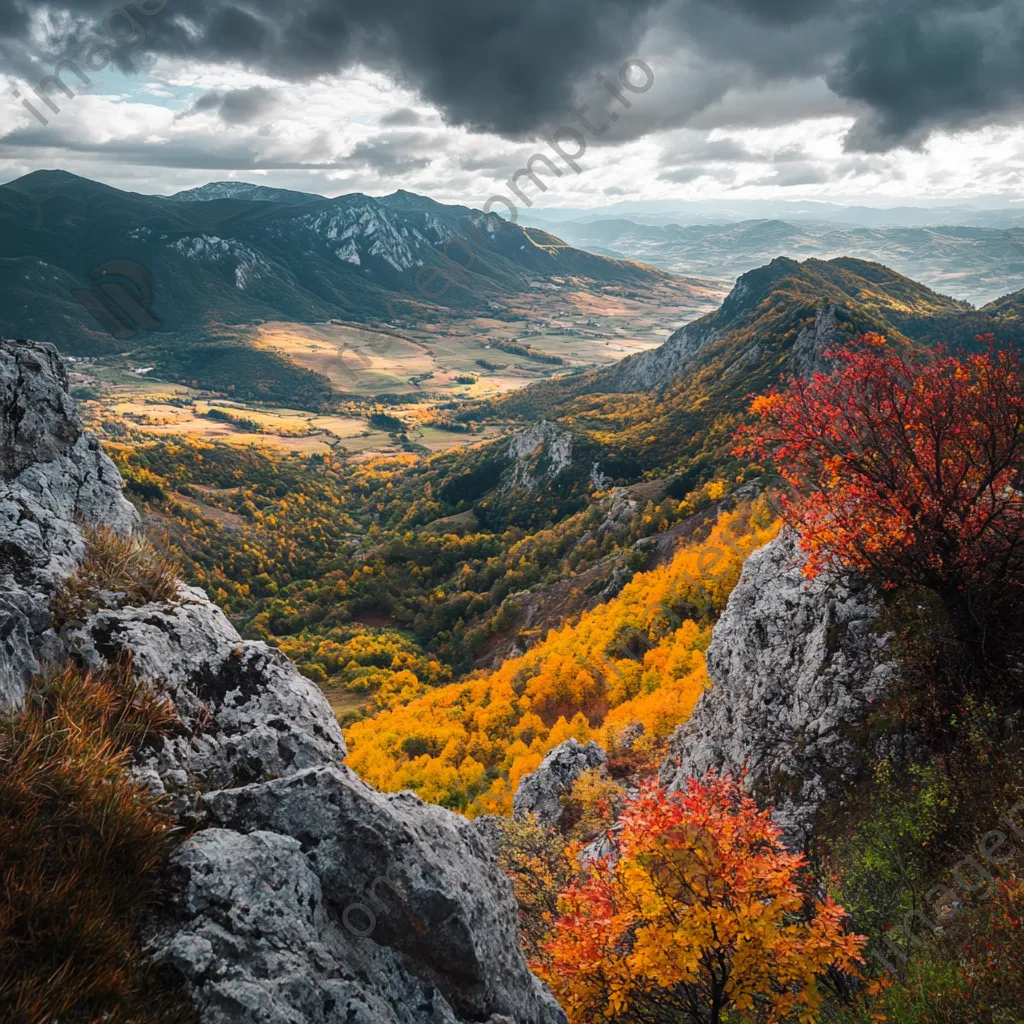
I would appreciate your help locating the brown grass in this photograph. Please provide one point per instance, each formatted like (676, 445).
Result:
(81, 844)
(125, 565)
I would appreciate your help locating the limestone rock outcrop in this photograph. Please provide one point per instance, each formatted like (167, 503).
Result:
(53, 477)
(796, 666)
(539, 792)
(540, 451)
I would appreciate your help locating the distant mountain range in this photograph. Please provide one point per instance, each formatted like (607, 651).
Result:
(234, 253)
(969, 262)
(970, 212)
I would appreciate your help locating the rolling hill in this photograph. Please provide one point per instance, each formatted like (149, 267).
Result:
(973, 261)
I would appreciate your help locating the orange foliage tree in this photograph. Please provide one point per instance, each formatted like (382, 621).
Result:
(701, 911)
(907, 468)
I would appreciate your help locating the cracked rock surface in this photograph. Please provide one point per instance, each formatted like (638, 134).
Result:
(539, 792)
(305, 896)
(796, 666)
(53, 476)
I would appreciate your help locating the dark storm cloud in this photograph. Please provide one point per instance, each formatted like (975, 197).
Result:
(905, 67)
(774, 11)
(933, 65)
(404, 117)
(235, 106)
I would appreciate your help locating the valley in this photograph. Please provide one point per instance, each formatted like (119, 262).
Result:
(512, 513)
(522, 535)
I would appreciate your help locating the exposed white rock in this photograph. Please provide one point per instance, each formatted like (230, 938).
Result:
(539, 792)
(527, 446)
(814, 340)
(250, 265)
(795, 667)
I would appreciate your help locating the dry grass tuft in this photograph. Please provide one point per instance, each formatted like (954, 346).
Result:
(81, 844)
(122, 565)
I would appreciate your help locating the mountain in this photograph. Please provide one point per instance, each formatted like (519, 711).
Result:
(976, 212)
(673, 408)
(233, 254)
(245, 190)
(976, 263)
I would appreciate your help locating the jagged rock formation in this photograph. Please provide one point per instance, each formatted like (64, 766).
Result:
(538, 793)
(53, 476)
(305, 896)
(795, 667)
(539, 451)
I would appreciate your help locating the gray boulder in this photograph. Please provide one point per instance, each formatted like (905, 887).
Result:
(796, 666)
(539, 792)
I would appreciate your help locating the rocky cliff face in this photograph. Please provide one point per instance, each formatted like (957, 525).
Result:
(53, 477)
(795, 667)
(304, 896)
(539, 451)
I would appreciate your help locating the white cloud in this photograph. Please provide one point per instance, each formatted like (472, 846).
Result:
(364, 132)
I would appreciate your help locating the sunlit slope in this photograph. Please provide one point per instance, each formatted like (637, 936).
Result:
(637, 658)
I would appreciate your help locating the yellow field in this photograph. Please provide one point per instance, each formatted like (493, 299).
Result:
(585, 329)
(290, 429)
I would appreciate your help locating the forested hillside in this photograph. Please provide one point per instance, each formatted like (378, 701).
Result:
(636, 659)
(426, 558)
(476, 616)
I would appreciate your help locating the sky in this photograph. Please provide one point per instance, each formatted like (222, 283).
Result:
(857, 101)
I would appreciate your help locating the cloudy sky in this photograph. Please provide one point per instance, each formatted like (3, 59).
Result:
(849, 100)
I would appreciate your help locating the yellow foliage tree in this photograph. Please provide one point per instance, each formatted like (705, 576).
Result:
(700, 911)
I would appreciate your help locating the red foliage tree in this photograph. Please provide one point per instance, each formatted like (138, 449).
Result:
(907, 467)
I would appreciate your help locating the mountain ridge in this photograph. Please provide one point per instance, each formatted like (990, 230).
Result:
(237, 261)
(673, 409)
